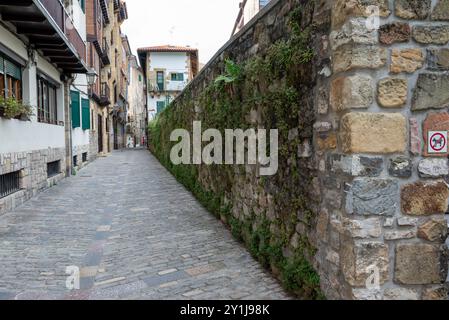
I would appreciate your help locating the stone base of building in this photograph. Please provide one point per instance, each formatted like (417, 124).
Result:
(83, 156)
(33, 169)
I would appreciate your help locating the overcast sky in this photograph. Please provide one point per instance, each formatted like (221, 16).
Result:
(203, 24)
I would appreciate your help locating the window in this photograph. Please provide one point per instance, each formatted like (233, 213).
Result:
(83, 5)
(53, 168)
(84, 155)
(140, 78)
(160, 80)
(263, 3)
(9, 183)
(10, 79)
(177, 77)
(47, 109)
(160, 105)
(75, 161)
(85, 112)
(75, 106)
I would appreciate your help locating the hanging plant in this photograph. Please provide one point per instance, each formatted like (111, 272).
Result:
(14, 109)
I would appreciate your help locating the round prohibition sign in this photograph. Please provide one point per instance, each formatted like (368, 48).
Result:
(437, 142)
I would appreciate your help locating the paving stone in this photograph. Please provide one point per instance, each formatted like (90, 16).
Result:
(157, 227)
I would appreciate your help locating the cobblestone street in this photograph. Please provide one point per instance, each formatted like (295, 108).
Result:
(134, 232)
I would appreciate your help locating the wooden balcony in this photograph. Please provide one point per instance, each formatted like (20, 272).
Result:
(46, 25)
(105, 95)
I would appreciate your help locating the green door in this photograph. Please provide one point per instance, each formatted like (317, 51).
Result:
(160, 80)
(85, 110)
(75, 106)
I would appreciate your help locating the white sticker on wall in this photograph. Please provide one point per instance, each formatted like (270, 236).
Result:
(437, 142)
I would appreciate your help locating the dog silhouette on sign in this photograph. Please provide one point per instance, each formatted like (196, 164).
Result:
(438, 142)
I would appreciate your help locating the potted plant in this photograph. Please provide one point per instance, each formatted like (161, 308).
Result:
(13, 109)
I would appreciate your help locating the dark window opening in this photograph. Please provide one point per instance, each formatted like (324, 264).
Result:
(47, 108)
(53, 168)
(85, 157)
(177, 77)
(75, 161)
(9, 183)
(160, 80)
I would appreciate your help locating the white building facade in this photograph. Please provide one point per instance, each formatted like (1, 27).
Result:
(38, 55)
(168, 70)
(248, 9)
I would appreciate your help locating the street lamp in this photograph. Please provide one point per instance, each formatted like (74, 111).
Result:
(91, 77)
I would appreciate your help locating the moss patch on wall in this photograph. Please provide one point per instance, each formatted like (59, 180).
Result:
(274, 215)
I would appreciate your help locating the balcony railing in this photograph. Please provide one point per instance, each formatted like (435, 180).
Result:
(57, 11)
(105, 53)
(105, 94)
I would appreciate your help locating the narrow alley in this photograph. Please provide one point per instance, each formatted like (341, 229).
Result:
(133, 231)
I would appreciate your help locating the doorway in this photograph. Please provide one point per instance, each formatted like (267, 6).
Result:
(100, 133)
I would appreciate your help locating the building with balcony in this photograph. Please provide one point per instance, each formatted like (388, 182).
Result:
(248, 9)
(99, 57)
(168, 69)
(41, 47)
(114, 73)
(137, 110)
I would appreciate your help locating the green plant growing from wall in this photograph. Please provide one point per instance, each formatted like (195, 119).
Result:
(277, 85)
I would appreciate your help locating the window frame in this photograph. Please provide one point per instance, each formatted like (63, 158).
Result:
(177, 76)
(9, 80)
(47, 92)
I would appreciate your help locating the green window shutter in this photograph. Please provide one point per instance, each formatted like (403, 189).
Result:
(13, 70)
(160, 106)
(83, 5)
(85, 110)
(75, 106)
(180, 76)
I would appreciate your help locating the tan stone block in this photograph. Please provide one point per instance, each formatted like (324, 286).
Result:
(424, 198)
(342, 9)
(357, 261)
(420, 264)
(373, 133)
(401, 294)
(406, 60)
(350, 57)
(392, 92)
(434, 230)
(437, 293)
(354, 92)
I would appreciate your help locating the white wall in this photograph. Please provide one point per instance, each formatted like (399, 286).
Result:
(172, 62)
(80, 137)
(20, 136)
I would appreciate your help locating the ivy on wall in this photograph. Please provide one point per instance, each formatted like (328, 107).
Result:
(278, 85)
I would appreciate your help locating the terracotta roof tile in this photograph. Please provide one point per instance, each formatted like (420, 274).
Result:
(167, 48)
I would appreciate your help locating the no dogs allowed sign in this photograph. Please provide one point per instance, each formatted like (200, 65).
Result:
(437, 142)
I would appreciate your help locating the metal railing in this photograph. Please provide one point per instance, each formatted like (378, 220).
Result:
(105, 92)
(9, 183)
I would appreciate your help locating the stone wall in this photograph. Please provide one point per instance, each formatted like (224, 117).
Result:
(357, 196)
(388, 88)
(33, 173)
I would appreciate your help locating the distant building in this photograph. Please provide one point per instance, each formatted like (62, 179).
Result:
(168, 69)
(248, 9)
